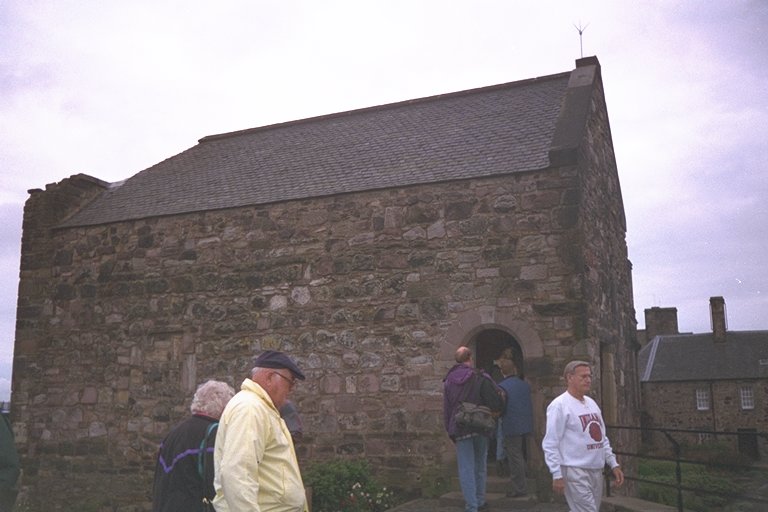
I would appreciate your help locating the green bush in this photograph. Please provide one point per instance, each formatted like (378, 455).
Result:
(347, 486)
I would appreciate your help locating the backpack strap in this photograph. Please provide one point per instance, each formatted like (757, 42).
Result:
(204, 449)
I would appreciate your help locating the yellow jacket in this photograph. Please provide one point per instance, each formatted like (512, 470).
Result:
(254, 458)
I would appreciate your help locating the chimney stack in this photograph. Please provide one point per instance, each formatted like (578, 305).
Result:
(719, 325)
(660, 321)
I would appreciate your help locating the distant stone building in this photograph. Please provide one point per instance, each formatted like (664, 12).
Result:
(367, 244)
(707, 382)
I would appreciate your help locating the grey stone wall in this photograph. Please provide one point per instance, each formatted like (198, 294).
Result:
(360, 289)
(608, 284)
(673, 405)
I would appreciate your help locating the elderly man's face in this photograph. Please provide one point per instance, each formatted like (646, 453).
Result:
(281, 384)
(580, 382)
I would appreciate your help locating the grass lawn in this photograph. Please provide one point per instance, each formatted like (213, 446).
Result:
(708, 479)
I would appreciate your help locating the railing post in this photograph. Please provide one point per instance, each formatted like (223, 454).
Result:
(678, 478)
(678, 471)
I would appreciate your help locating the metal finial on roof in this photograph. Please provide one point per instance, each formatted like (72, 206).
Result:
(581, 32)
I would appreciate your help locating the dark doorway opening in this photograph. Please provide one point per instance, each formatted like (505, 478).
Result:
(489, 345)
(748, 445)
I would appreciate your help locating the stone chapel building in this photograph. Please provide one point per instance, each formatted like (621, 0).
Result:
(368, 245)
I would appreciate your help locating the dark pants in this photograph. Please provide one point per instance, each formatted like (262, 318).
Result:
(513, 447)
(7, 499)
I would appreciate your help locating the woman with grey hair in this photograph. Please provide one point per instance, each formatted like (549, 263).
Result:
(211, 398)
(184, 469)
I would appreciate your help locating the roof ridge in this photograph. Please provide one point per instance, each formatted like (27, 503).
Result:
(472, 134)
(385, 106)
(651, 359)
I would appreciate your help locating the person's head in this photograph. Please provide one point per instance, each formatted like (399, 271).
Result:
(463, 355)
(277, 374)
(292, 420)
(578, 378)
(506, 363)
(210, 398)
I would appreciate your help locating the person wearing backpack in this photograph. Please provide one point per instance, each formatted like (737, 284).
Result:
(184, 470)
(463, 383)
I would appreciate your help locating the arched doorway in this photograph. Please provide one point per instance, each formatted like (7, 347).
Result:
(489, 344)
(488, 330)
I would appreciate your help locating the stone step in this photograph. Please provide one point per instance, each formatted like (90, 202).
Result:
(630, 504)
(455, 498)
(497, 501)
(496, 484)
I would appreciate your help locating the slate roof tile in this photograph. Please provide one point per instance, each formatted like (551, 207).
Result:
(696, 357)
(482, 132)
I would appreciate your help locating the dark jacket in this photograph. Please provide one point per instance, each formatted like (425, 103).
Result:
(178, 486)
(518, 414)
(292, 420)
(480, 389)
(9, 465)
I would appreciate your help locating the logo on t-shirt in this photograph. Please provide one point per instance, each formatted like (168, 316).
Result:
(591, 424)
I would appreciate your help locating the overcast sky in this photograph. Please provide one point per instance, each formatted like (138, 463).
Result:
(109, 88)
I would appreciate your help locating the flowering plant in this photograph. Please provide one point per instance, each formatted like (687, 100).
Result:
(347, 486)
(370, 499)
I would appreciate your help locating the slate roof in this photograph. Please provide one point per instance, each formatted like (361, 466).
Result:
(687, 357)
(476, 133)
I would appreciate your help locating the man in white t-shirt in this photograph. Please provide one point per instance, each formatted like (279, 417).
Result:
(575, 445)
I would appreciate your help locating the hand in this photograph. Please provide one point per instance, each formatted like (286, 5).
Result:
(558, 485)
(618, 475)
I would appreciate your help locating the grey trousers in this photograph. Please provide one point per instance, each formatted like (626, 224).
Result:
(583, 488)
(513, 447)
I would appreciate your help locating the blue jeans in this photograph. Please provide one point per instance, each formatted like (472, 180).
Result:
(472, 458)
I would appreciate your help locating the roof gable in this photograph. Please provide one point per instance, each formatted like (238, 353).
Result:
(478, 133)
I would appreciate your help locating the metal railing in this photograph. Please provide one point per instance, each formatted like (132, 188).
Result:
(676, 441)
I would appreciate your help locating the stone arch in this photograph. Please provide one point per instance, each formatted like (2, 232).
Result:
(465, 328)
(489, 344)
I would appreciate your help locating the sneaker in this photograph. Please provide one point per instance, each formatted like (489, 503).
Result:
(484, 507)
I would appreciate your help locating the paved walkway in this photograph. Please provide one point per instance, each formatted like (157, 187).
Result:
(452, 502)
(433, 505)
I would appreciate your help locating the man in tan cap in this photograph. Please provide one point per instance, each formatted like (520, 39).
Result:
(256, 467)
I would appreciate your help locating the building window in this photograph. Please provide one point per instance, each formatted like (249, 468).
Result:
(702, 400)
(747, 397)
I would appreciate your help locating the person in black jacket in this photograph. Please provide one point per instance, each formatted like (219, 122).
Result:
(9, 466)
(184, 470)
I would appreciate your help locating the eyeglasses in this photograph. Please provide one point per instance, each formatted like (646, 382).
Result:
(291, 382)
